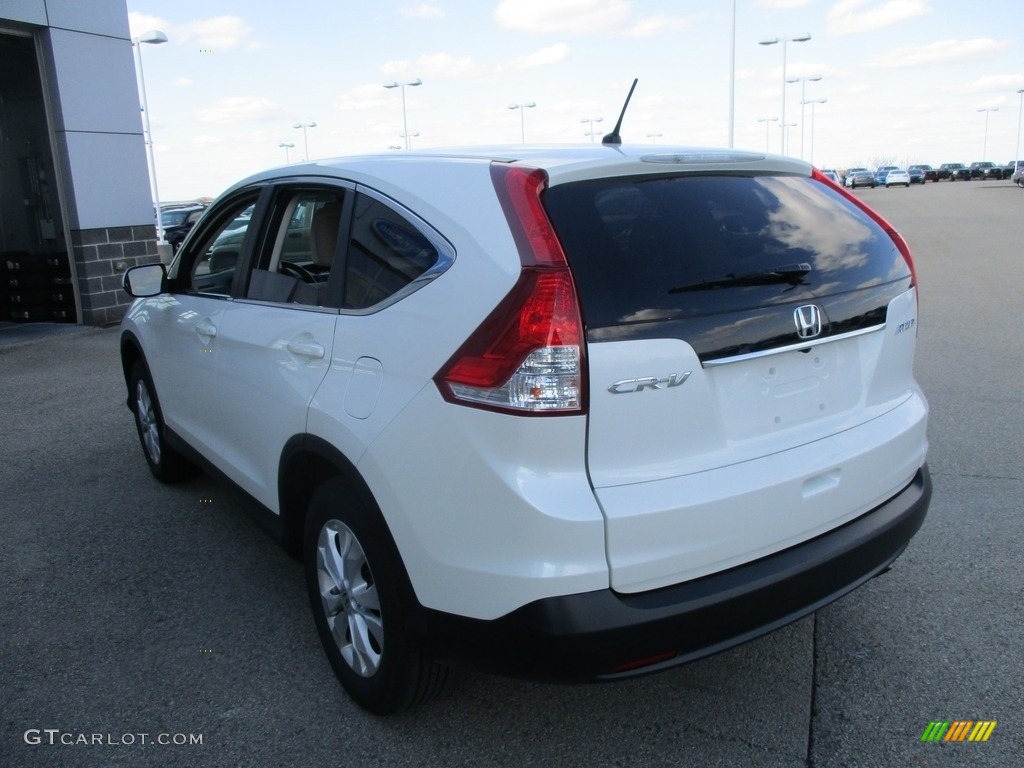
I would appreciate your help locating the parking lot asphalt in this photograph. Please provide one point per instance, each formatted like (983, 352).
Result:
(134, 613)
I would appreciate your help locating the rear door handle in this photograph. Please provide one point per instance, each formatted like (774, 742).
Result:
(306, 349)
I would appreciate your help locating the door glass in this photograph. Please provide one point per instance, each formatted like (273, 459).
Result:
(214, 269)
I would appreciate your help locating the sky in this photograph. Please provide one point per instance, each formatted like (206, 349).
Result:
(903, 80)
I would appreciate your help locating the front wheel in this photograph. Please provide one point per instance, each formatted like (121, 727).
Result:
(166, 464)
(359, 596)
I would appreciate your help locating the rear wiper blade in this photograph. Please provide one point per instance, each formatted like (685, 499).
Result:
(789, 273)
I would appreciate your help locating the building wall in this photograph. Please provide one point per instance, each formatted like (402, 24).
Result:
(88, 73)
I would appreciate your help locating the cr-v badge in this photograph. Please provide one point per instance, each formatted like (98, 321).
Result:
(648, 382)
(808, 321)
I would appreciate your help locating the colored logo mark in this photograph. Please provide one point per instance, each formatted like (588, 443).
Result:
(958, 730)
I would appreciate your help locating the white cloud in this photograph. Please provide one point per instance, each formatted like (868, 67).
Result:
(421, 11)
(395, 68)
(182, 82)
(239, 109)
(655, 25)
(369, 96)
(143, 22)
(989, 84)
(553, 54)
(941, 52)
(574, 16)
(849, 17)
(782, 5)
(219, 33)
(444, 65)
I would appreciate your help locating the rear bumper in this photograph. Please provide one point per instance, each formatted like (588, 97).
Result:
(605, 634)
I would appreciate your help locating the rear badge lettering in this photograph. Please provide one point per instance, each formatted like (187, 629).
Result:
(648, 382)
(906, 325)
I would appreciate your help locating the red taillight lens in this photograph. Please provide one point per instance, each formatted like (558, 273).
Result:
(897, 238)
(528, 355)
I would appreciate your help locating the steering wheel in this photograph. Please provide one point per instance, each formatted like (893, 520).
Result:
(287, 267)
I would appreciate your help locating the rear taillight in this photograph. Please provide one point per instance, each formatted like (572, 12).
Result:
(527, 357)
(897, 238)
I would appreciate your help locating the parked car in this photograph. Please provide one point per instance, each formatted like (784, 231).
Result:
(897, 177)
(1017, 177)
(882, 171)
(830, 174)
(178, 222)
(954, 172)
(848, 176)
(919, 174)
(860, 178)
(985, 170)
(574, 413)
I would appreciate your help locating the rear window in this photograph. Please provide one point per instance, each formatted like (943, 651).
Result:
(649, 249)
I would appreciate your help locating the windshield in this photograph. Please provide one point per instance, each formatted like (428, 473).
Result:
(173, 218)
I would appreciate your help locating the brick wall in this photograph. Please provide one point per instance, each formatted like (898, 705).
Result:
(101, 257)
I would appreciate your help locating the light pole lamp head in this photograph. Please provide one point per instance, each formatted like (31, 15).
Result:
(154, 36)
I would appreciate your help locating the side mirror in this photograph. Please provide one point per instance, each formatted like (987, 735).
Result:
(145, 280)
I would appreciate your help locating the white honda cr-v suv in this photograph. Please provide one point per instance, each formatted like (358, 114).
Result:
(569, 413)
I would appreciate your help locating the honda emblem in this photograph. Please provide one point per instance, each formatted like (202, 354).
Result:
(808, 321)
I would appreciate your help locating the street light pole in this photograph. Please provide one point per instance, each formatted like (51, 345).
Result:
(155, 37)
(984, 146)
(1020, 110)
(654, 137)
(767, 124)
(286, 148)
(522, 120)
(305, 138)
(802, 38)
(591, 120)
(812, 102)
(784, 127)
(405, 123)
(803, 100)
(732, 78)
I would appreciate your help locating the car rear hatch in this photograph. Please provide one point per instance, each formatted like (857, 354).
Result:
(750, 339)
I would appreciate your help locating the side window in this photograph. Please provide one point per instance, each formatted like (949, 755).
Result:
(213, 269)
(297, 267)
(386, 253)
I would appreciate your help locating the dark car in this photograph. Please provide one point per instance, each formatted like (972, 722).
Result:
(919, 174)
(954, 172)
(861, 178)
(985, 169)
(1010, 167)
(178, 222)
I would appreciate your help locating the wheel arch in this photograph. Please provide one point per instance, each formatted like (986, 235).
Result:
(306, 463)
(131, 352)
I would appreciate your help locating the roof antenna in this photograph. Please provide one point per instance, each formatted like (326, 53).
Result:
(613, 137)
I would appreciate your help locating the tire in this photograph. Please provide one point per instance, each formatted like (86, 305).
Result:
(359, 593)
(166, 464)
(1020, 182)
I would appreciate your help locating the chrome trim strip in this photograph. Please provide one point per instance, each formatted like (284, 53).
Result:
(792, 347)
